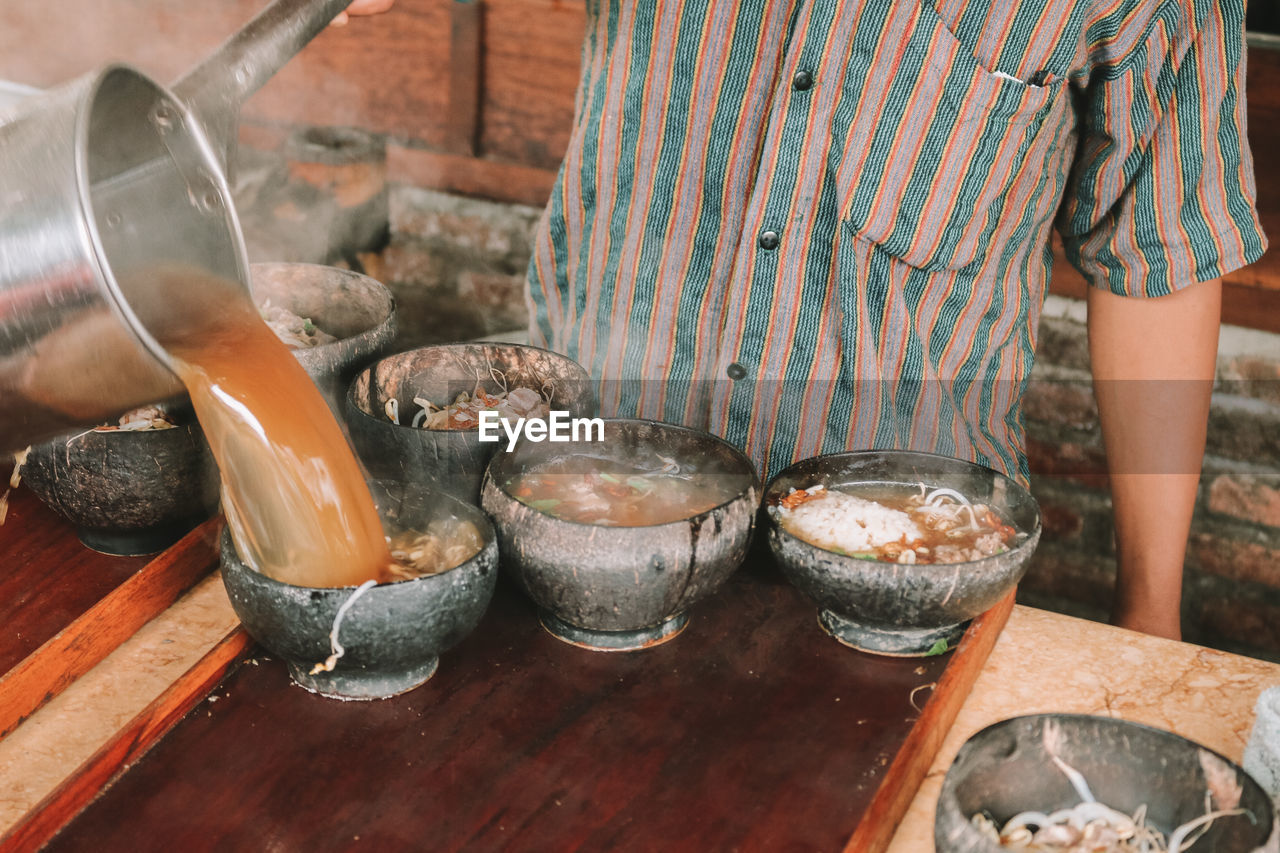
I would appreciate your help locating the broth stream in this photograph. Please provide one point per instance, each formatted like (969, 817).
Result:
(294, 496)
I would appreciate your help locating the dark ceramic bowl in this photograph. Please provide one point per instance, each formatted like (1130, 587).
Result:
(894, 609)
(623, 588)
(128, 492)
(394, 633)
(1004, 770)
(451, 461)
(357, 310)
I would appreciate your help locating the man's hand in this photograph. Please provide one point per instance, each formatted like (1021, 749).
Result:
(362, 7)
(1153, 367)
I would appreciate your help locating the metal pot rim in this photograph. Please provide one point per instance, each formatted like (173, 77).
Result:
(209, 161)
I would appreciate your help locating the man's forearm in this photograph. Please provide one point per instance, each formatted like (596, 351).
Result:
(1153, 367)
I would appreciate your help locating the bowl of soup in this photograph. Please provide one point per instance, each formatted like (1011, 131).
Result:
(900, 549)
(1065, 782)
(377, 640)
(417, 415)
(132, 486)
(336, 321)
(617, 534)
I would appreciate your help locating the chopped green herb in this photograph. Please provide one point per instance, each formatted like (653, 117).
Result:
(640, 484)
(308, 326)
(609, 478)
(545, 504)
(937, 648)
(857, 555)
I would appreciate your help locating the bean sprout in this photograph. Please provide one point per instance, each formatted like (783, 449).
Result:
(15, 479)
(1093, 826)
(334, 646)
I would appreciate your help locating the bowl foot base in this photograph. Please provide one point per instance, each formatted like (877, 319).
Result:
(614, 641)
(892, 642)
(357, 684)
(135, 543)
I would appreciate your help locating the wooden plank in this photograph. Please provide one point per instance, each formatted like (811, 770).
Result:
(752, 730)
(102, 628)
(462, 129)
(126, 747)
(1263, 94)
(908, 770)
(507, 182)
(532, 61)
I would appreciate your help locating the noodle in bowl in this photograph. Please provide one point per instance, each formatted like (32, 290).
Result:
(900, 549)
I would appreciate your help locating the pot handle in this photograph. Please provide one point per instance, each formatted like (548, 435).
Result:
(215, 88)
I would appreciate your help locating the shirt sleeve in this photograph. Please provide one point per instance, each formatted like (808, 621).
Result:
(1162, 192)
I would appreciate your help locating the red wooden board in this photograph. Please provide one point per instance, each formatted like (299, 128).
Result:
(47, 578)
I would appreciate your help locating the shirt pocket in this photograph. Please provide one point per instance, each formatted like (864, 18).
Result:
(933, 152)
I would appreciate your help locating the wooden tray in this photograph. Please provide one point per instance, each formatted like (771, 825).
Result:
(66, 607)
(752, 730)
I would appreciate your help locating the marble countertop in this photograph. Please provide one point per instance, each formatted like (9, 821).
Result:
(1045, 662)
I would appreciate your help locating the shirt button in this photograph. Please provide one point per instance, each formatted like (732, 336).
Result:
(769, 240)
(803, 81)
(736, 371)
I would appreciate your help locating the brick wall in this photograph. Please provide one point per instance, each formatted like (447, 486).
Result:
(456, 265)
(457, 268)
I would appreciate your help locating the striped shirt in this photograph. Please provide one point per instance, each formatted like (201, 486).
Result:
(816, 225)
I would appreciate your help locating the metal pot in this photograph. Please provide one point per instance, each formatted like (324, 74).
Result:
(104, 179)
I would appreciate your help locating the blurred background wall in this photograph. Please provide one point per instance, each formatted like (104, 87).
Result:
(461, 111)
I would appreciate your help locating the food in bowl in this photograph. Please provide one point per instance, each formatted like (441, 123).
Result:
(465, 410)
(295, 331)
(378, 639)
(612, 565)
(865, 599)
(445, 544)
(609, 492)
(896, 524)
(1094, 826)
(392, 405)
(147, 417)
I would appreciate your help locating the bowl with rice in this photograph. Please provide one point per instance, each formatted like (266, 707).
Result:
(900, 549)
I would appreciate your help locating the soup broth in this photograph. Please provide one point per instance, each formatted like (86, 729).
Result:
(591, 490)
(294, 496)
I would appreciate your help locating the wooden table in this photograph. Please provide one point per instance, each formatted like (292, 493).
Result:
(752, 730)
(65, 607)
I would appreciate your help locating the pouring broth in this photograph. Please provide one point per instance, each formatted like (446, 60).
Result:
(294, 496)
